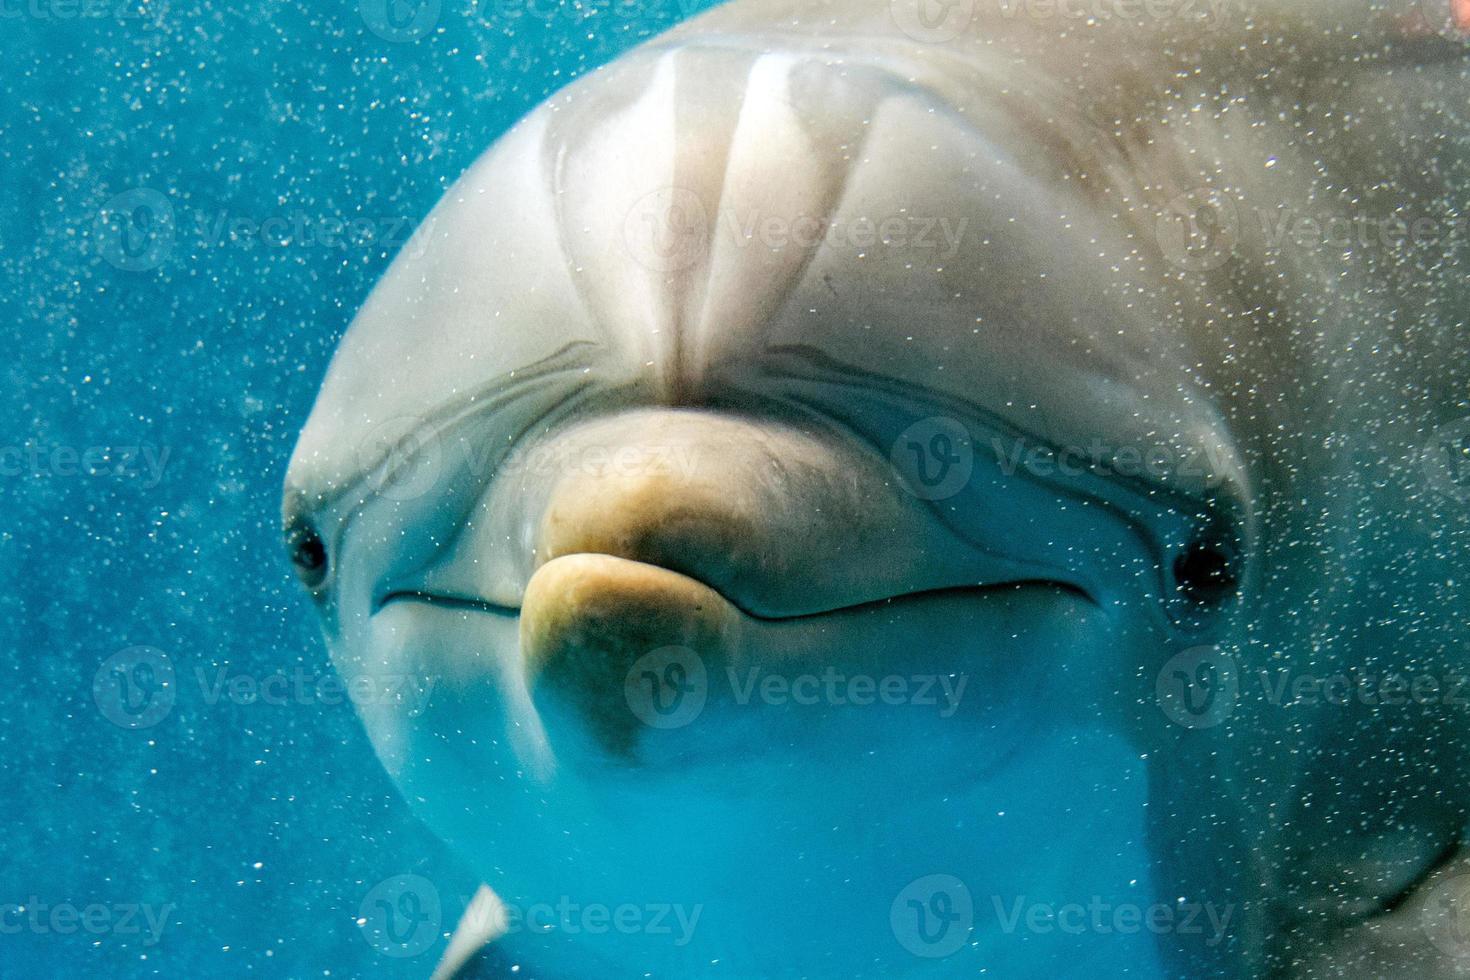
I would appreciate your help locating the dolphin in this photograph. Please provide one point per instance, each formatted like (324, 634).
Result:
(894, 488)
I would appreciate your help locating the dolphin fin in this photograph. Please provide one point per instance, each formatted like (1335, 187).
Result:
(483, 922)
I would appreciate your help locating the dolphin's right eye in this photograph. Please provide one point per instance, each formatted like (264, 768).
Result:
(308, 555)
(1205, 574)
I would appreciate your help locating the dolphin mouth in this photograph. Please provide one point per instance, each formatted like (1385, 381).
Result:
(470, 603)
(609, 646)
(447, 600)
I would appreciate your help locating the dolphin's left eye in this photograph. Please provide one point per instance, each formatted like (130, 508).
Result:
(308, 555)
(1204, 573)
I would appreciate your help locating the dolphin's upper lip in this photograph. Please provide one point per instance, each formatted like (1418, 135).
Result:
(476, 604)
(448, 600)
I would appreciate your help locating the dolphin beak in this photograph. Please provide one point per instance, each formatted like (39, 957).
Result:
(588, 619)
(610, 645)
(781, 521)
(695, 530)
(724, 545)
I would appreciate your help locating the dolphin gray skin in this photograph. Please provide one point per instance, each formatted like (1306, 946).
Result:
(888, 489)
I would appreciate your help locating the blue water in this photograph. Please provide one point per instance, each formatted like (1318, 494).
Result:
(160, 362)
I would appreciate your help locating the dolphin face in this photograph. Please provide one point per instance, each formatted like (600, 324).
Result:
(768, 459)
(761, 576)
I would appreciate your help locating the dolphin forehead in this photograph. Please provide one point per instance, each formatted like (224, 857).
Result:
(676, 225)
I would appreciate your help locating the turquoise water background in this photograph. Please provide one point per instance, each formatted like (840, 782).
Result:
(197, 197)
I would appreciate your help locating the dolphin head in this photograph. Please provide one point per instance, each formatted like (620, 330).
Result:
(758, 470)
